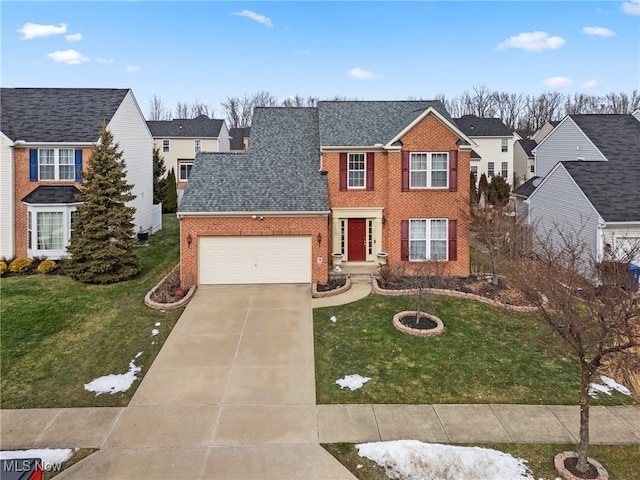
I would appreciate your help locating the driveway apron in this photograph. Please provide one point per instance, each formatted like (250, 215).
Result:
(230, 395)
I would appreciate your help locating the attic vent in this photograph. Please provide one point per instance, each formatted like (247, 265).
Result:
(581, 159)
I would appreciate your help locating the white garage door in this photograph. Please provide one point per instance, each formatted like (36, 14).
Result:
(246, 260)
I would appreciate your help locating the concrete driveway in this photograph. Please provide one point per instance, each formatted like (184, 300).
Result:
(231, 395)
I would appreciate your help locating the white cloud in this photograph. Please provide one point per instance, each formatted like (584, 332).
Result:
(598, 31)
(74, 37)
(35, 30)
(533, 42)
(255, 16)
(104, 60)
(362, 74)
(132, 68)
(70, 57)
(556, 82)
(590, 84)
(632, 7)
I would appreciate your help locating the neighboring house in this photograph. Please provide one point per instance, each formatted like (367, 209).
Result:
(47, 138)
(544, 130)
(359, 179)
(493, 147)
(180, 140)
(591, 170)
(524, 160)
(239, 139)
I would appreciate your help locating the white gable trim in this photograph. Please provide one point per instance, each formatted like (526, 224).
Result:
(440, 117)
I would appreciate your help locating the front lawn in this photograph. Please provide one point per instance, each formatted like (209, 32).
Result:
(486, 355)
(621, 461)
(58, 334)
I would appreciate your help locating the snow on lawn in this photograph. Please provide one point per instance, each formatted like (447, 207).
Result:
(48, 456)
(608, 386)
(352, 382)
(155, 332)
(114, 383)
(333, 319)
(413, 460)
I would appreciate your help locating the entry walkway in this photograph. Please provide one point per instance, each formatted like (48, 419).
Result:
(232, 395)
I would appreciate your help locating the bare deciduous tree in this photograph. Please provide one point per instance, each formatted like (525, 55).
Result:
(157, 110)
(590, 305)
(509, 108)
(181, 110)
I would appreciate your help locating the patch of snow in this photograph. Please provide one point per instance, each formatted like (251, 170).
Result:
(609, 386)
(158, 324)
(352, 382)
(155, 332)
(333, 319)
(114, 383)
(48, 456)
(411, 459)
(138, 354)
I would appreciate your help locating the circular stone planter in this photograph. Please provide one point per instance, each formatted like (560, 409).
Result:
(433, 326)
(559, 462)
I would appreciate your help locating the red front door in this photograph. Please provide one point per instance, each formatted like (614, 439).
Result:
(357, 240)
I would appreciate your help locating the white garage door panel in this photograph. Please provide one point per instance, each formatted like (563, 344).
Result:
(246, 260)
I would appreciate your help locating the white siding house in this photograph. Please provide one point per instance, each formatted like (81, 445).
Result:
(7, 227)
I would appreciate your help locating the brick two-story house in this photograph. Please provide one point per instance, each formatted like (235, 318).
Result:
(47, 137)
(355, 178)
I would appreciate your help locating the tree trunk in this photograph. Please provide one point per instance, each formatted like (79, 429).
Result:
(583, 451)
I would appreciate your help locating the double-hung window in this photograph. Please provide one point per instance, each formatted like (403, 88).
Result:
(197, 145)
(429, 170)
(505, 145)
(504, 170)
(165, 145)
(491, 169)
(427, 239)
(356, 170)
(184, 170)
(56, 164)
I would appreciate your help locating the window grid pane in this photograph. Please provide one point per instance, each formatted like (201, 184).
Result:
(197, 145)
(419, 165)
(66, 160)
(185, 170)
(50, 230)
(439, 169)
(505, 169)
(417, 240)
(46, 162)
(490, 169)
(356, 170)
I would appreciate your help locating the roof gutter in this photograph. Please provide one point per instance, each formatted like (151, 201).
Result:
(254, 215)
(22, 143)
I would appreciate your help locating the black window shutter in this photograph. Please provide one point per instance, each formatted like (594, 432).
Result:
(33, 165)
(78, 165)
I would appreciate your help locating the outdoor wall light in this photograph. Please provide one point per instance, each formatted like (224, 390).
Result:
(319, 238)
(384, 219)
(189, 240)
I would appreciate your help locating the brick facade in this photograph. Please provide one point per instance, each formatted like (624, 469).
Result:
(245, 225)
(23, 186)
(429, 135)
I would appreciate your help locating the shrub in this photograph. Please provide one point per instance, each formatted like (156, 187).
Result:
(3, 267)
(46, 266)
(20, 265)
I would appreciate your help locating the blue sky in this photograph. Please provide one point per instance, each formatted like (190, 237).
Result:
(371, 50)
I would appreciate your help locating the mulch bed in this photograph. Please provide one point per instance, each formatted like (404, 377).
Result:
(420, 323)
(477, 285)
(170, 290)
(332, 284)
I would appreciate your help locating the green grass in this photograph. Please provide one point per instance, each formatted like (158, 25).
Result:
(621, 461)
(58, 334)
(486, 355)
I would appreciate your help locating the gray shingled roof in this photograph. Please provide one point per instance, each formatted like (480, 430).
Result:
(473, 126)
(528, 145)
(616, 136)
(280, 171)
(199, 127)
(367, 123)
(236, 136)
(52, 195)
(57, 114)
(527, 187)
(613, 187)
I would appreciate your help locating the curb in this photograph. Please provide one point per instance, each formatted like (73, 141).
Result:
(316, 294)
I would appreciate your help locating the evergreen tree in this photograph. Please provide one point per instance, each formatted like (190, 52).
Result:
(159, 182)
(171, 200)
(102, 244)
(499, 189)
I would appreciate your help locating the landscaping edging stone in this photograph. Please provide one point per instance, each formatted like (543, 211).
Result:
(168, 306)
(330, 293)
(558, 463)
(450, 293)
(418, 332)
